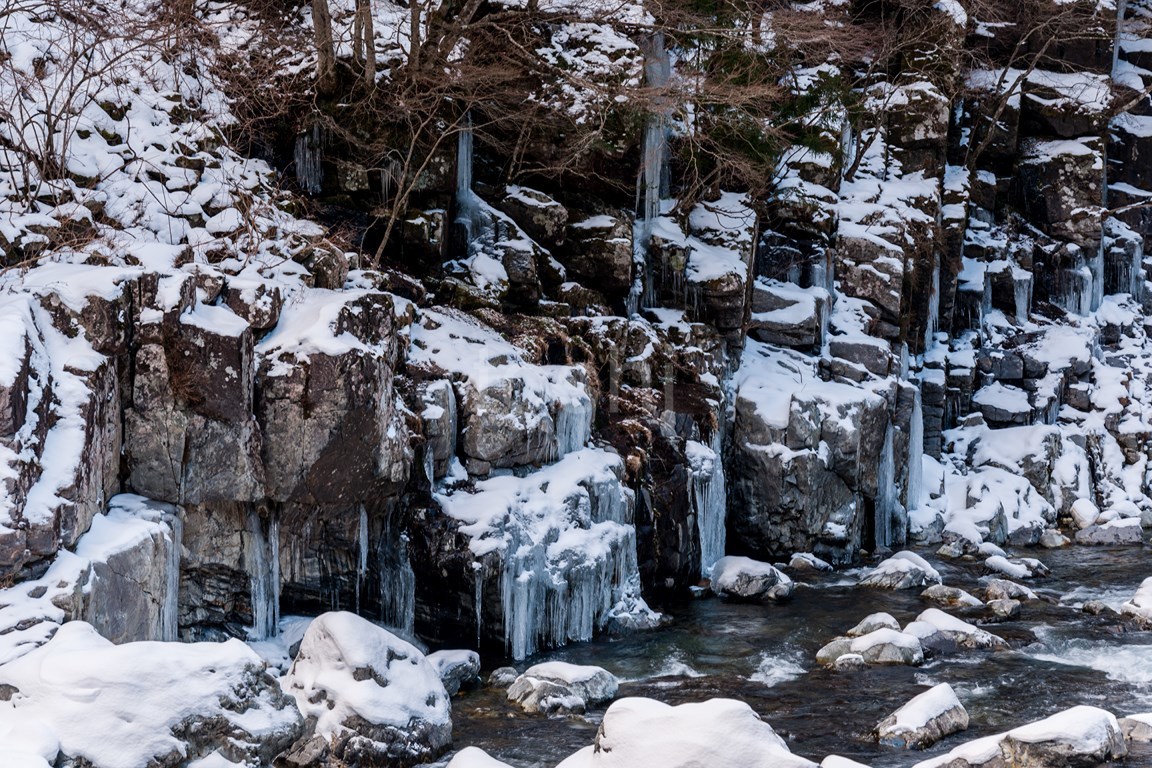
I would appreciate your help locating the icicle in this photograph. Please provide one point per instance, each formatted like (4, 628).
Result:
(170, 610)
(398, 590)
(466, 203)
(362, 562)
(915, 484)
(1096, 272)
(274, 571)
(709, 497)
(887, 517)
(905, 361)
(1022, 286)
(308, 155)
(573, 426)
(478, 569)
(264, 589)
(932, 326)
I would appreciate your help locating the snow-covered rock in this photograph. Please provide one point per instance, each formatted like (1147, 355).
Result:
(873, 622)
(1017, 567)
(367, 694)
(86, 700)
(1081, 736)
(746, 579)
(881, 646)
(935, 628)
(1084, 512)
(924, 720)
(802, 562)
(950, 597)
(1003, 609)
(719, 733)
(1004, 589)
(1140, 606)
(473, 757)
(457, 669)
(557, 687)
(1112, 533)
(502, 677)
(904, 570)
(1137, 727)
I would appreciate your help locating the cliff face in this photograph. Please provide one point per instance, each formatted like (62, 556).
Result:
(551, 401)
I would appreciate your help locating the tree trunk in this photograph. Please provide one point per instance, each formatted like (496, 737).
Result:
(325, 50)
(368, 39)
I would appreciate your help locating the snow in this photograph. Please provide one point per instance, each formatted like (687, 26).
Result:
(885, 636)
(1081, 728)
(117, 705)
(329, 683)
(1003, 565)
(644, 733)
(1141, 603)
(473, 757)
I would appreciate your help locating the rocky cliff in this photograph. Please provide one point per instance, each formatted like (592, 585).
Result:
(254, 365)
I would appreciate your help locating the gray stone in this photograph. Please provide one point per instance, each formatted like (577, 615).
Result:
(1115, 533)
(925, 720)
(560, 688)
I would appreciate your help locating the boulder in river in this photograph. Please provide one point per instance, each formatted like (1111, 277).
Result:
(457, 669)
(1137, 727)
(557, 687)
(719, 733)
(924, 720)
(873, 622)
(904, 570)
(1140, 606)
(939, 631)
(1074, 738)
(1113, 533)
(950, 597)
(474, 757)
(1016, 568)
(743, 578)
(1003, 589)
(882, 646)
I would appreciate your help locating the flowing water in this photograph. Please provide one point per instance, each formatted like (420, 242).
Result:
(764, 654)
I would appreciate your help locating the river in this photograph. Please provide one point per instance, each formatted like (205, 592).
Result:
(764, 654)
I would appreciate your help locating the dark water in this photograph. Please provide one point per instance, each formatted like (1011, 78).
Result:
(765, 655)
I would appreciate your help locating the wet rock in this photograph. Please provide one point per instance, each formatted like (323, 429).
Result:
(743, 578)
(849, 662)
(904, 570)
(1096, 607)
(874, 622)
(1053, 539)
(503, 677)
(1004, 609)
(1114, 533)
(368, 696)
(924, 720)
(950, 597)
(557, 687)
(457, 669)
(881, 646)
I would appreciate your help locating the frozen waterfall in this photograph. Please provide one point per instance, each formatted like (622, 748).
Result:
(706, 478)
(263, 563)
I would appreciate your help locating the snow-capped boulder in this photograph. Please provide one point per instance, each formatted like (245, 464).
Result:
(1137, 727)
(473, 757)
(90, 702)
(557, 687)
(939, 630)
(743, 578)
(457, 669)
(719, 733)
(502, 677)
(1084, 512)
(1077, 738)
(1003, 610)
(924, 720)
(1017, 567)
(835, 761)
(806, 562)
(873, 622)
(904, 570)
(1004, 589)
(1140, 606)
(1112, 533)
(881, 646)
(368, 696)
(950, 597)
(1053, 539)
